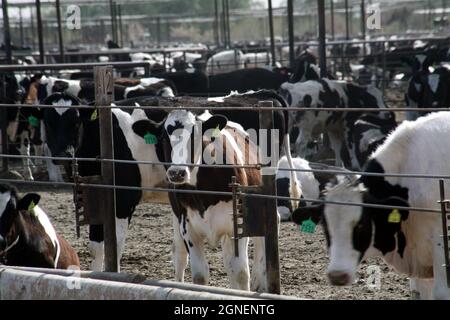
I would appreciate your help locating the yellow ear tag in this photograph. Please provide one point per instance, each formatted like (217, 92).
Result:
(31, 206)
(394, 216)
(94, 115)
(216, 132)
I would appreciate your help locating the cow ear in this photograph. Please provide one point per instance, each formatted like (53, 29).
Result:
(143, 127)
(215, 122)
(88, 113)
(313, 212)
(28, 201)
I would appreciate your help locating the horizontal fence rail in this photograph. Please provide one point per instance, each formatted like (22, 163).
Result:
(221, 193)
(211, 105)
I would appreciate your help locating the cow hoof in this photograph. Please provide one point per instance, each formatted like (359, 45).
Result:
(199, 279)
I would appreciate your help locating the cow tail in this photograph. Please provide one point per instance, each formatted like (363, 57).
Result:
(295, 191)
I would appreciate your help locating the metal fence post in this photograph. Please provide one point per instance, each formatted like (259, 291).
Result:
(104, 95)
(4, 124)
(444, 216)
(322, 40)
(290, 10)
(269, 188)
(272, 35)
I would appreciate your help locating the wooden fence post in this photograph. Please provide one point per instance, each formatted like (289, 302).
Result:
(269, 188)
(104, 95)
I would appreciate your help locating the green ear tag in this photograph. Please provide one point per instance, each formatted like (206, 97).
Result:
(308, 226)
(216, 132)
(150, 138)
(33, 121)
(394, 216)
(31, 206)
(94, 115)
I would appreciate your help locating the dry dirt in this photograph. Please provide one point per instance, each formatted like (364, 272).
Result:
(303, 257)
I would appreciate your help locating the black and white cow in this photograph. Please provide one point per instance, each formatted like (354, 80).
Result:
(308, 185)
(193, 139)
(364, 135)
(78, 130)
(327, 93)
(408, 240)
(85, 89)
(245, 80)
(27, 237)
(21, 130)
(428, 90)
(312, 178)
(305, 68)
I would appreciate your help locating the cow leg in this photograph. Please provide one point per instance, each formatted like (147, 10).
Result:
(179, 251)
(440, 289)
(54, 172)
(300, 143)
(259, 279)
(38, 151)
(421, 289)
(337, 145)
(96, 246)
(195, 243)
(259, 274)
(237, 267)
(25, 151)
(121, 235)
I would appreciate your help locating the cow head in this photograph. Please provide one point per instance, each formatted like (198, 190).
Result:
(355, 232)
(187, 135)
(10, 206)
(61, 124)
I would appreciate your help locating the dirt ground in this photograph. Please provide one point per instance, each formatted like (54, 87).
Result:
(303, 257)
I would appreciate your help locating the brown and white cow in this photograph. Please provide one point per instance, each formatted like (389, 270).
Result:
(191, 140)
(27, 237)
(207, 217)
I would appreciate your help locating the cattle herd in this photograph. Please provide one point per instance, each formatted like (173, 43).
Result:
(178, 144)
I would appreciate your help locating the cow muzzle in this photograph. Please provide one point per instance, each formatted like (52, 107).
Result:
(178, 175)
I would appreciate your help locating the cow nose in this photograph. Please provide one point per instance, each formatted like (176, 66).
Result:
(339, 278)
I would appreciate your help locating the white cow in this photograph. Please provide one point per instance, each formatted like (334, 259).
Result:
(410, 241)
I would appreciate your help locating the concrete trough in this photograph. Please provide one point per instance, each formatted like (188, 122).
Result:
(18, 283)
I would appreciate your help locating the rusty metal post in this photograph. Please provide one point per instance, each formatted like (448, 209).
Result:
(322, 44)
(40, 32)
(444, 215)
(216, 23)
(269, 188)
(6, 33)
(104, 95)
(332, 18)
(60, 34)
(347, 28)
(272, 35)
(4, 124)
(119, 13)
(290, 13)
(363, 25)
(22, 41)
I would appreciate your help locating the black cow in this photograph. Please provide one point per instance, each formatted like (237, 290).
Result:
(245, 80)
